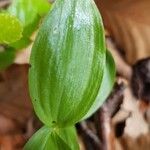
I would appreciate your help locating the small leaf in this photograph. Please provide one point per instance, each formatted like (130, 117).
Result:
(24, 10)
(10, 28)
(28, 12)
(6, 58)
(43, 6)
(23, 42)
(55, 139)
(106, 86)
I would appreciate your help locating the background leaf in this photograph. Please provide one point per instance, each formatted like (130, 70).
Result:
(24, 10)
(10, 28)
(6, 58)
(23, 42)
(43, 6)
(106, 86)
(29, 12)
(56, 139)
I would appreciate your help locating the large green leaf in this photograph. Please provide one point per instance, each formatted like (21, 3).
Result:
(55, 139)
(67, 62)
(10, 28)
(106, 86)
(6, 58)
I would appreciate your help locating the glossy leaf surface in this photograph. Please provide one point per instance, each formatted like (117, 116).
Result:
(10, 28)
(106, 86)
(47, 138)
(67, 62)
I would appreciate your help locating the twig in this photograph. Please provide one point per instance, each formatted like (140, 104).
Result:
(112, 105)
(122, 67)
(30, 129)
(90, 133)
(103, 118)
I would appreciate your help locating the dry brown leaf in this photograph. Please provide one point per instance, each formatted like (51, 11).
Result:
(15, 107)
(141, 143)
(128, 22)
(12, 142)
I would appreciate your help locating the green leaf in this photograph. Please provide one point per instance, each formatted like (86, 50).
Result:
(24, 10)
(106, 86)
(6, 58)
(10, 28)
(28, 12)
(55, 139)
(43, 6)
(23, 42)
(67, 62)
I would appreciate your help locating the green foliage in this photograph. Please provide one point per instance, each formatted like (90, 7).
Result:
(68, 59)
(71, 72)
(106, 86)
(42, 6)
(29, 12)
(10, 31)
(24, 10)
(6, 58)
(17, 24)
(23, 42)
(55, 139)
(10, 28)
